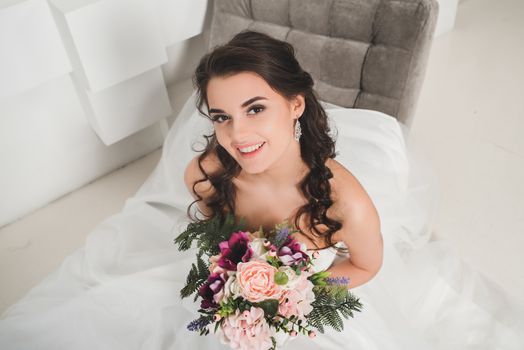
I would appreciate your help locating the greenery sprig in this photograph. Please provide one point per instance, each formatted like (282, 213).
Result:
(330, 305)
(209, 233)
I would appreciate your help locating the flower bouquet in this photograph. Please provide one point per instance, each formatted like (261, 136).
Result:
(257, 287)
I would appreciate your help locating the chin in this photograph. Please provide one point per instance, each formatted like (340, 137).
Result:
(249, 167)
(254, 169)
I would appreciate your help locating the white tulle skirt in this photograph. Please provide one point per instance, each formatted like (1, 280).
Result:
(120, 291)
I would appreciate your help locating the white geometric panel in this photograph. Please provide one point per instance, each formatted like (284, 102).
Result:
(126, 108)
(31, 51)
(447, 12)
(112, 40)
(181, 19)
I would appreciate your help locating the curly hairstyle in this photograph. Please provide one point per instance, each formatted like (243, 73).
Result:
(273, 60)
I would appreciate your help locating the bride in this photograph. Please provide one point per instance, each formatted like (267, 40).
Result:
(272, 154)
(269, 155)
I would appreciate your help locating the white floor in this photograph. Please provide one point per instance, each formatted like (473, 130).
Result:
(470, 122)
(470, 116)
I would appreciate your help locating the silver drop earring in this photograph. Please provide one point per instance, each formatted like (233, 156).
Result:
(298, 130)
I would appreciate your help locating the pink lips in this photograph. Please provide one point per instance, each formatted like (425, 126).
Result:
(243, 146)
(252, 154)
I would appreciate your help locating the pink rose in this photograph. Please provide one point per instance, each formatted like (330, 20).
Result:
(247, 330)
(256, 280)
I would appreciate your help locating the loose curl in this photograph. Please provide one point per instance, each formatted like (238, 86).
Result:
(273, 60)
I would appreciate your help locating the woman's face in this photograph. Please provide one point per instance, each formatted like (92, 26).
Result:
(246, 112)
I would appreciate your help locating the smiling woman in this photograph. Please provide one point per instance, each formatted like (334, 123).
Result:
(268, 131)
(260, 101)
(260, 106)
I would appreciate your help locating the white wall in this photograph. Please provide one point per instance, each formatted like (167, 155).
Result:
(446, 16)
(84, 89)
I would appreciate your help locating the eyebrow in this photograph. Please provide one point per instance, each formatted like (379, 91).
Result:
(251, 100)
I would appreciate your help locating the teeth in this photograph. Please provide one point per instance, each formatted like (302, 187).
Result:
(250, 149)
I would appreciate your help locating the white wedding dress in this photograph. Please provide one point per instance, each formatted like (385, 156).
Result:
(121, 290)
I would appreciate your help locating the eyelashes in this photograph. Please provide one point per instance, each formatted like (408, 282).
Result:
(216, 117)
(257, 107)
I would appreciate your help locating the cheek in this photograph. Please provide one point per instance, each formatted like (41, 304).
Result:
(276, 131)
(220, 136)
(224, 140)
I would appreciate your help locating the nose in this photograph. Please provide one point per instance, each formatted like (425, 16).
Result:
(240, 129)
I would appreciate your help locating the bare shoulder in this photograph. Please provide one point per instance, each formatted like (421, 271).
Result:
(210, 164)
(350, 197)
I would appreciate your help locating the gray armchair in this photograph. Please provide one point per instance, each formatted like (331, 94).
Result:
(369, 54)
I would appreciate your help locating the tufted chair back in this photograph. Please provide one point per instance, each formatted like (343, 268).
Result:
(368, 54)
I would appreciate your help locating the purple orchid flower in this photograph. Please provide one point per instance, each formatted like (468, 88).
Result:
(234, 250)
(291, 253)
(215, 283)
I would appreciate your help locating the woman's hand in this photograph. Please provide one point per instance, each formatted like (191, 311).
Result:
(347, 271)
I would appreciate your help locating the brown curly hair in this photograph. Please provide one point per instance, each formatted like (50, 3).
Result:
(273, 60)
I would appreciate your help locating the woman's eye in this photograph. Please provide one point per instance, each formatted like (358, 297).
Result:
(216, 118)
(259, 108)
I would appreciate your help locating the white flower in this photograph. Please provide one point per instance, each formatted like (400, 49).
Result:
(293, 278)
(231, 287)
(259, 251)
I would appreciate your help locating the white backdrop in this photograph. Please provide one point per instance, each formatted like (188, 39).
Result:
(84, 89)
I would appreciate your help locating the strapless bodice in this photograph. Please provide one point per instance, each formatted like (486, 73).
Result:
(326, 257)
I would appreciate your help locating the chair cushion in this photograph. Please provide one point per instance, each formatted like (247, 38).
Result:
(368, 54)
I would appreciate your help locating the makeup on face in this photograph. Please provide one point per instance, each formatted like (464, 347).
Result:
(246, 150)
(248, 115)
(244, 104)
(252, 151)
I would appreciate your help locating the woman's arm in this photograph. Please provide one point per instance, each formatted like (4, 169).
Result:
(360, 232)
